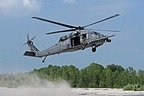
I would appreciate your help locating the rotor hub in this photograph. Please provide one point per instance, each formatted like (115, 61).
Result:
(29, 42)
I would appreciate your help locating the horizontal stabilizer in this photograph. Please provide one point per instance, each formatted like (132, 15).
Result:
(28, 53)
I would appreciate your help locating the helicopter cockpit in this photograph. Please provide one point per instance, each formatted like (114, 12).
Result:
(97, 35)
(63, 38)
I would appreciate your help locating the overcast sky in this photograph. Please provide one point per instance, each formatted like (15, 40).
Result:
(126, 48)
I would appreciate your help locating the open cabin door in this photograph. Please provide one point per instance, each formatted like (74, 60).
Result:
(78, 40)
(75, 41)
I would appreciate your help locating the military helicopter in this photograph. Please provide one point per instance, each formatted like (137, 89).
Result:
(79, 39)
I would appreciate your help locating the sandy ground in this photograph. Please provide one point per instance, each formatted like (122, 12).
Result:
(67, 92)
(106, 92)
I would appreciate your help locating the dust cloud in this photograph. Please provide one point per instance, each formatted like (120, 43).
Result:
(35, 86)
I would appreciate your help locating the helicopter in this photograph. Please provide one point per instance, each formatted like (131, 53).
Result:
(79, 39)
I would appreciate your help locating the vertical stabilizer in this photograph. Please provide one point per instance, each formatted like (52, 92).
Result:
(32, 47)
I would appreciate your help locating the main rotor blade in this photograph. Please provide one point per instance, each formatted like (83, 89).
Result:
(101, 20)
(107, 30)
(60, 31)
(54, 22)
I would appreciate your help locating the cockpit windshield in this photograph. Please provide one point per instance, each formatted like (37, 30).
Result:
(63, 38)
(99, 34)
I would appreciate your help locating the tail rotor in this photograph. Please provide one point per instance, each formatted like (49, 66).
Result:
(32, 49)
(29, 41)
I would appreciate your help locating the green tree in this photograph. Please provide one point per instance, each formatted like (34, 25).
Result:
(102, 83)
(83, 79)
(141, 77)
(93, 72)
(112, 73)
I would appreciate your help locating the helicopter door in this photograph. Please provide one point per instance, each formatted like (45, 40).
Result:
(75, 41)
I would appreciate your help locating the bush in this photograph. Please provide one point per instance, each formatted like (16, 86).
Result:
(142, 88)
(128, 87)
(135, 87)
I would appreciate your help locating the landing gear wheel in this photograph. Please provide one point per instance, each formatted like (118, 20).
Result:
(108, 40)
(93, 49)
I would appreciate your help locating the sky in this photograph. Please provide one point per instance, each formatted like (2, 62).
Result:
(126, 48)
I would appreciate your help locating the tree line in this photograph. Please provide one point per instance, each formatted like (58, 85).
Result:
(92, 76)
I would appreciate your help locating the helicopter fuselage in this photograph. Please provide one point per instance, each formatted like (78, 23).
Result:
(75, 41)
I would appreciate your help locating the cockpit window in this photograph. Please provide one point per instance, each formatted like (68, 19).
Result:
(99, 34)
(96, 33)
(63, 38)
(92, 33)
